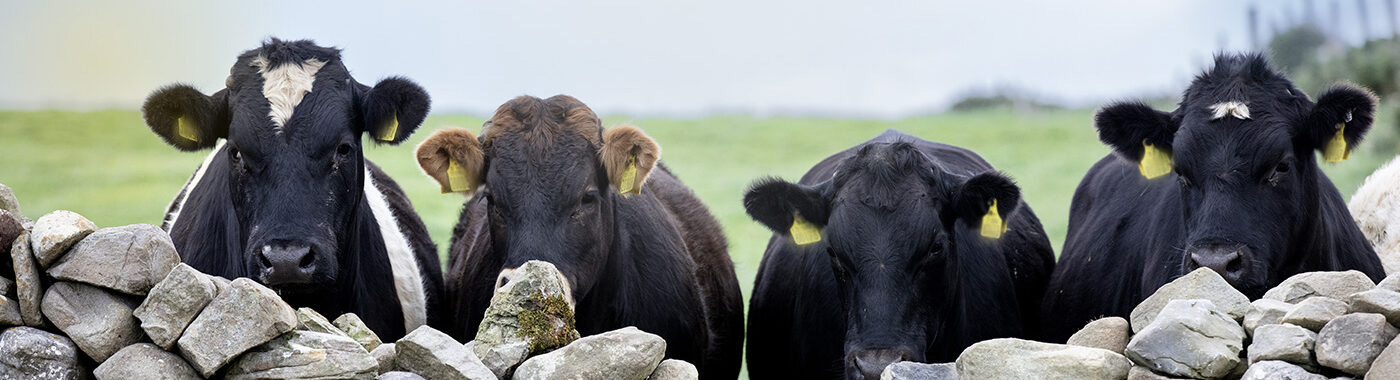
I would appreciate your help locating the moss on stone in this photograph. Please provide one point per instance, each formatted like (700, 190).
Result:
(538, 323)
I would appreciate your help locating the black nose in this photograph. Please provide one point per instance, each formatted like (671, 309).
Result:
(282, 263)
(1227, 260)
(869, 364)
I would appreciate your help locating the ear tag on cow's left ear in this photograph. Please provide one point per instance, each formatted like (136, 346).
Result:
(457, 177)
(1336, 150)
(1155, 162)
(628, 184)
(391, 129)
(992, 224)
(186, 130)
(804, 232)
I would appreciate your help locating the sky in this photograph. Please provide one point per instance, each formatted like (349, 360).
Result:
(872, 58)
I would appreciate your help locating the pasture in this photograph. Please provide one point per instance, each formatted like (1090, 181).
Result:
(108, 166)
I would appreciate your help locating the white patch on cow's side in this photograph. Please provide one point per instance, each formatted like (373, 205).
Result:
(1376, 208)
(1234, 109)
(408, 281)
(178, 204)
(284, 86)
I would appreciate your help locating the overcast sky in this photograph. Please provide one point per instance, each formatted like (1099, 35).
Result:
(868, 58)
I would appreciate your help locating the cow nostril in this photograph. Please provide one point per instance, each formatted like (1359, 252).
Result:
(307, 260)
(262, 260)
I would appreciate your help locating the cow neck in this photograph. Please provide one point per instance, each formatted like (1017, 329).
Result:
(1312, 247)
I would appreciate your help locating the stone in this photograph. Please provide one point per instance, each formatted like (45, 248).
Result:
(6, 285)
(246, 307)
(98, 321)
(129, 259)
(1202, 283)
(399, 375)
(1314, 312)
(434, 355)
(10, 228)
(895, 371)
(145, 361)
(1284, 342)
(351, 326)
(1010, 358)
(1391, 282)
(29, 286)
(1335, 285)
(30, 353)
(173, 303)
(1265, 311)
(1379, 301)
(1190, 338)
(626, 353)
(1278, 370)
(309, 320)
(503, 358)
(54, 232)
(1109, 333)
(385, 355)
(305, 355)
(530, 314)
(8, 202)
(9, 312)
(1351, 342)
(1387, 363)
(1142, 373)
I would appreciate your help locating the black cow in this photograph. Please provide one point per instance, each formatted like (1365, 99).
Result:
(898, 249)
(287, 197)
(1227, 181)
(637, 247)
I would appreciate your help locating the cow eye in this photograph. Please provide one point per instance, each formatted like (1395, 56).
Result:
(235, 154)
(343, 149)
(1281, 168)
(1181, 180)
(589, 197)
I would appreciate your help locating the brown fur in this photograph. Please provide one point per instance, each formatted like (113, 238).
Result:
(568, 115)
(625, 142)
(454, 144)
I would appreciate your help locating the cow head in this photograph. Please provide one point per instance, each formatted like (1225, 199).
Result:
(289, 124)
(551, 176)
(899, 230)
(1240, 145)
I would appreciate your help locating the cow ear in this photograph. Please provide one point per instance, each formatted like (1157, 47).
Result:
(985, 202)
(1339, 121)
(1140, 134)
(393, 109)
(186, 118)
(628, 154)
(453, 157)
(779, 204)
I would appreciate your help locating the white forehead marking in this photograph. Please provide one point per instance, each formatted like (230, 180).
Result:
(284, 86)
(1233, 109)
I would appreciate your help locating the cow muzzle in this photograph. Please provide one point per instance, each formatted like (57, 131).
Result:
(870, 363)
(285, 263)
(1225, 259)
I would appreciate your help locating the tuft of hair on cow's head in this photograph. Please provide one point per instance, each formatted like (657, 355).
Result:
(453, 158)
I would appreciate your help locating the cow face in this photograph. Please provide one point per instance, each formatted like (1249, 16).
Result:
(1240, 146)
(899, 232)
(289, 124)
(551, 177)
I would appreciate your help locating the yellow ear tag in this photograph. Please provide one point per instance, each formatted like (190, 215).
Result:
(1336, 149)
(992, 224)
(629, 178)
(457, 177)
(1155, 162)
(804, 232)
(186, 130)
(391, 129)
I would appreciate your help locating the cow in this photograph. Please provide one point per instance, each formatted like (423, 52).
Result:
(287, 197)
(897, 249)
(1376, 208)
(1227, 181)
(545, 181)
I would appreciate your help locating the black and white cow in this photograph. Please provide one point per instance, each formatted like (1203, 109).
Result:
(1227, 181)
(287, 197)
(898, 249)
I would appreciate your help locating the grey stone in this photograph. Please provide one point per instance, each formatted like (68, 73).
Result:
(1189, 338)
(895, 371)
(503, 358)
(1142, 373)
(399, 375)
(173, 303)
(8, 202)
(1335, 285)
(54, 232)
(1351, 342)
(1278, 370)
(1387, 363)
(310, 320)
(305, 355)
(1391, 282)
(9, 312)
(98, 321)
(1109, 333)
(626, 353)
(530, 314)
(1265, 311)
(1284, 342)
(251, 310)
(10, 228)
(1202, 283)
(129, 259)
(1009, 358)
(145, 361)
(1379, 301)
(29, 286)
(6, 285)
(351, 326)
(434, 355)
(30, 353)
(385, 355)
(1314, 312)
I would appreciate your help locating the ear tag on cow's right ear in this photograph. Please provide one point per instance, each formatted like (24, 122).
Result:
(391, 129)
(1336, 149)
(628, 184)
(1155, 162)
(992, 224)
(186, 130)
(804, 232)
(457, 177)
